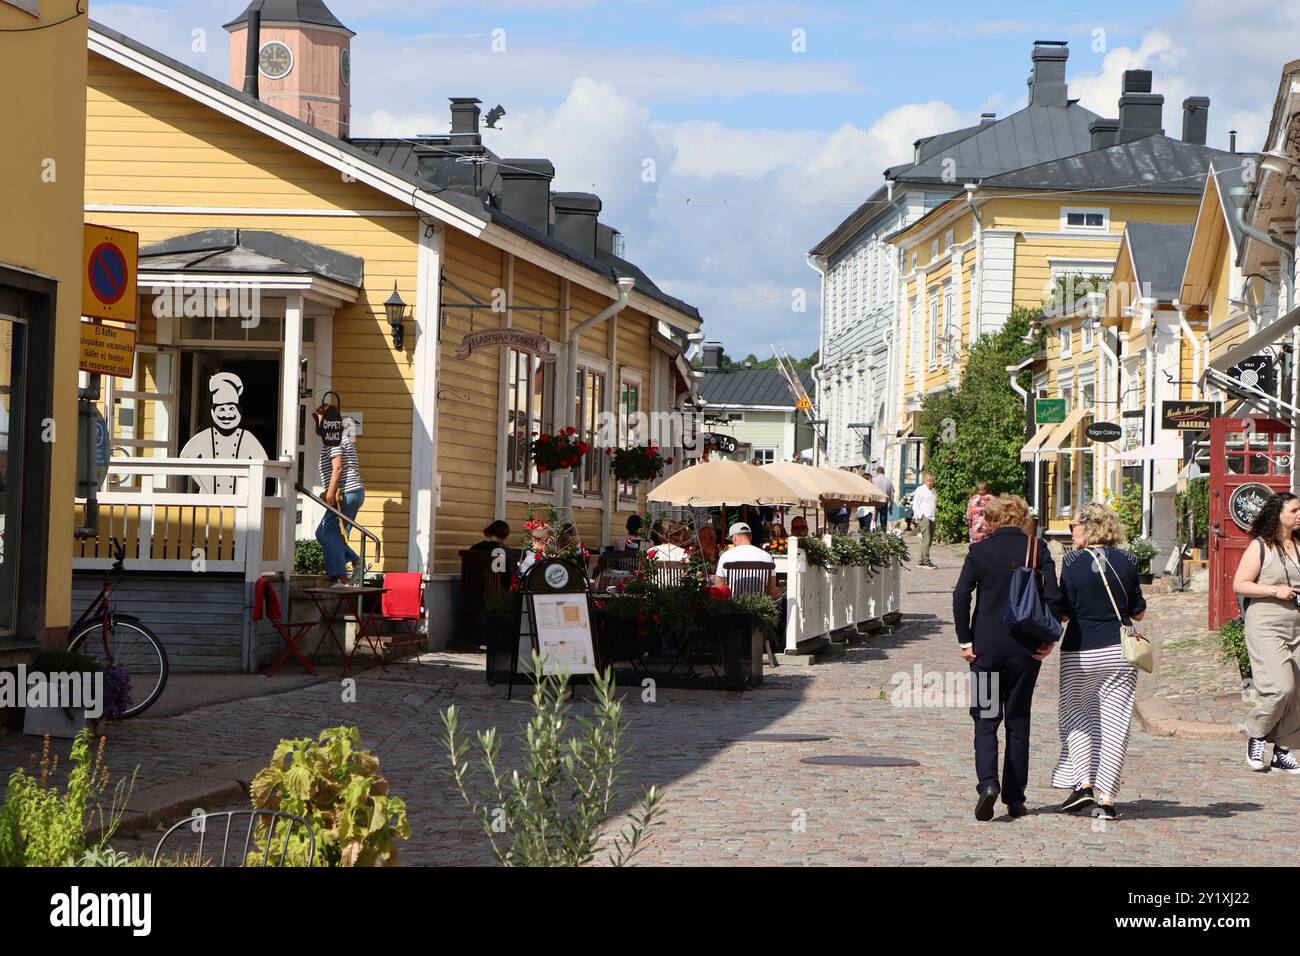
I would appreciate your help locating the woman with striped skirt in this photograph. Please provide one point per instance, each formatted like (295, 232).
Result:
(1097, 685)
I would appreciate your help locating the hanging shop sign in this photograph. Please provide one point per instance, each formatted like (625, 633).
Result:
(1246, 502)
(533, 341)
(1049, 411)
(1188, 416)
(108, 273)
(107, 350)
(227, 438)
(1104, 431)
(725, 444)
(1258, 372)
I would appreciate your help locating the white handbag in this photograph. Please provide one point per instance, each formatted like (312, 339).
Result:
(1135, 648)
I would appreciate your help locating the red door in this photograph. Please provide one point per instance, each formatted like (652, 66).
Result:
(1250, 460)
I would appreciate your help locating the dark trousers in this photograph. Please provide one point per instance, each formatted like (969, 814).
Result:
(1003, 690)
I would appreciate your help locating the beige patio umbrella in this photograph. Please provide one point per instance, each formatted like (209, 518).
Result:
(811, 484)
(849, 487)
(713, 484)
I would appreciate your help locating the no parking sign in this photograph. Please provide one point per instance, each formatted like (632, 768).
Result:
(108, 273)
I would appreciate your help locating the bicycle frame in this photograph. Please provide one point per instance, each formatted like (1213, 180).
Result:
(101, 606)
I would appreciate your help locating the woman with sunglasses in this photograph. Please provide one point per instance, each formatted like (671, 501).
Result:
(1268, 578)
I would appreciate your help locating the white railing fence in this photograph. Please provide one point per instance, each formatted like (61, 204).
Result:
(820, 601)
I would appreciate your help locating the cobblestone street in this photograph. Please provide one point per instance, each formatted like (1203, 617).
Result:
(1186, 802)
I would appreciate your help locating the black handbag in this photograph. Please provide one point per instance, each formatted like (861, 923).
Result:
(1027, 610)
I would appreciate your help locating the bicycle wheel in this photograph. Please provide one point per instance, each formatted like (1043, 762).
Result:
(135, 650)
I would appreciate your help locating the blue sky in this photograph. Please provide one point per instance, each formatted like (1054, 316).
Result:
(772, 147)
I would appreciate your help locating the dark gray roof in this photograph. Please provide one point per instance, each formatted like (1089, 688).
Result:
(1153, 164)
(397, 161)
(246, 251)
(854, 223)
(1032, 135)
(310, 12)
(1227, 177)
(733, 388)
(1159, 254)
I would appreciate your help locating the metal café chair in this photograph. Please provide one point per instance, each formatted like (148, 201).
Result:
(274, 850)
(478, 582)
(668, 574)
(628, 561)
(753, 578)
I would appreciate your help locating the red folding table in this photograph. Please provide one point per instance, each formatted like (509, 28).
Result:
(338, 604)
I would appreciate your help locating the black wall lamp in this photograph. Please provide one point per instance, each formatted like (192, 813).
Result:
(395, 308)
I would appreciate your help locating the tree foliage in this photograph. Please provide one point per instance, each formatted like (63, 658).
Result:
(975, 432)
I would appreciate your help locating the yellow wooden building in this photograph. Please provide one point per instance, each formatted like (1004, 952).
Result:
(321, 236)
(42, 164)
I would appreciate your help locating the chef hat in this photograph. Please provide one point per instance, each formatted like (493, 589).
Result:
(226, 388)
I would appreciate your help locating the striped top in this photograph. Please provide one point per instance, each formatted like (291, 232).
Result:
(350, 477)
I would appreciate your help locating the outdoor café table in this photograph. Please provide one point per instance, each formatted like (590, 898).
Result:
(337, 604)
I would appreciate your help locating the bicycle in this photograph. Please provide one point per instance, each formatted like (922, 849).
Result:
(122, 641)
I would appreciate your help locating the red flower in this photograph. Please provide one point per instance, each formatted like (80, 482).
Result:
(570, 430)
(582, 447)
(719, 592)
(546, 438)
(668, 461)
(609, 451)
(541, 469)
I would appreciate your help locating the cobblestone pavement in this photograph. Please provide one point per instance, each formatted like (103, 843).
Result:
(1184, 801)
(1191, 680)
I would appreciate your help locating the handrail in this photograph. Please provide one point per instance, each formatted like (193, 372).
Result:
(366, 532)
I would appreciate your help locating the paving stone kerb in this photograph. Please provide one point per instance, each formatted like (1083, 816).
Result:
(1186, 802)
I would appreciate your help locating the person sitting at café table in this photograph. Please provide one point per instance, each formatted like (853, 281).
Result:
(708, 539)
(496, 537)
(541, 535)
(671, 540)
(633, 541)
(742, 550)
(799, 527)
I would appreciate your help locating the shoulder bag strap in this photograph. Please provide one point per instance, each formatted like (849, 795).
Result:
(1104, 564)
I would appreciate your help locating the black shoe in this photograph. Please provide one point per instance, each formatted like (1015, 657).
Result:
(1081, 799)
(1284, 760)
(1105, 811)
(1017, 810)
(1255, 754)
(984, 807)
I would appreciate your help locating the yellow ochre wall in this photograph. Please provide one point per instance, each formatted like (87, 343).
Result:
(43, 76)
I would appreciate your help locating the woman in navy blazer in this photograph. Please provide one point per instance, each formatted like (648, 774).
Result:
(1004, 661)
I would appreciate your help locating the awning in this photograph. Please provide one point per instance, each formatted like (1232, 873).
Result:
(1260, 340)
(1165, 448)
(1050, 440)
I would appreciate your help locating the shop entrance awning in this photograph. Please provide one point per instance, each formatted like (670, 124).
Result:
(1048, 442)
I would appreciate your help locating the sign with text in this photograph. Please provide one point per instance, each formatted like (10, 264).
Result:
(1258, 372)
(534, 341)
(1188, 416)
(108, 273)
(1049, 411)
(107, 350)
(1246, 501)
(1104, 431)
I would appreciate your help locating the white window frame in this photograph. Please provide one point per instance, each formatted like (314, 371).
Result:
(947, 240)
(767, 453)
(1089, 335)
(933, 350)
(934, 249)
(1067, 211)
(948, 325)
(1065, 340)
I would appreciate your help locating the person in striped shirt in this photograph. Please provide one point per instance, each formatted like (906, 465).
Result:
(340, 476)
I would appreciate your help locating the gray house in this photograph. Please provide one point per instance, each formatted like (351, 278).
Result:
(751, 412)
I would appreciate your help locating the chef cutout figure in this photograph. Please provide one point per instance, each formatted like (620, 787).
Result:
(225, 439)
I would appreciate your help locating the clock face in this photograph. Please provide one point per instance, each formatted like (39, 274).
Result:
(345, 67)
(275, 61)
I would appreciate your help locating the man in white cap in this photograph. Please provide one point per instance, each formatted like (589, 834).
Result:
(742, 549)
(225, 439)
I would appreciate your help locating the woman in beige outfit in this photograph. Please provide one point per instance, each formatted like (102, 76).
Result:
(1269, 577)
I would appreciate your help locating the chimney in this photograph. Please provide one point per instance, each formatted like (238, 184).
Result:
(609, 241)
(464, 119)
(1232, 140)
(987, 118)
(252, 50)
(1103, 132)
(1196, 119)
(711, 356)
(575, 221)
(1140, 110)
(1047, 83)
(526, 191)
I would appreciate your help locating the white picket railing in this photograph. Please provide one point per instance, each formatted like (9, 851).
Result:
(820, 601)
(163, 529)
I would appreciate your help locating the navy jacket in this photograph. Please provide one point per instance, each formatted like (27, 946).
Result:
(987, 574)
(1093, 623)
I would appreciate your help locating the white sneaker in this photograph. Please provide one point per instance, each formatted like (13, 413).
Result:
(1255, 754)
(1284, 761)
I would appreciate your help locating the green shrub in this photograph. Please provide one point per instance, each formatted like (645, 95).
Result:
(1128, 508)
(308, 556)
(334, 784)
(41, 826)
(1232, 645)
(1196, 499)
(553, 810)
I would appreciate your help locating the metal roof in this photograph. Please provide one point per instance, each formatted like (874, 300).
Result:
(1227, 179)
(250, 251)
(734, 388)
(854, 222)
(308, 12)
(1159, 253)
(1153, 164)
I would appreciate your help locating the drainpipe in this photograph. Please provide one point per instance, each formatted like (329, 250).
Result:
(975, 313)
(569, 396)
(1013, 371)
(1117, 396)
(1286, 272)
(1148, 466)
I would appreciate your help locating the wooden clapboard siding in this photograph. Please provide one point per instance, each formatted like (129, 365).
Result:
(148, 145)
(468, 402)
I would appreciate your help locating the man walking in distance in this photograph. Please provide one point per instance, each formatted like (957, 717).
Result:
(881, 481)
(924, 506)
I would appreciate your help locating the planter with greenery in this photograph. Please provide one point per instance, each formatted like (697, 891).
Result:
(557, 452)
(553, 811)
(55, 673)
(334, 784)
(638, 463)
(1143, 550)
(1232, 647)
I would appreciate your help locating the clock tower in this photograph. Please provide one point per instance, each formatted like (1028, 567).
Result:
(305, 64)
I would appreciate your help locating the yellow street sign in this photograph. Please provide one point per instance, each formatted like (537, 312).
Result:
(108, 273)
(107, 349)
(803, 405)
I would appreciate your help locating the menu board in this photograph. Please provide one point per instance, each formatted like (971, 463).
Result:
(564, 636)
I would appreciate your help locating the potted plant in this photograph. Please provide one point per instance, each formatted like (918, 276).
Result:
(1232, 648)
(638, 463)
(1143, 550)
(63, 693)
(557, 452)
